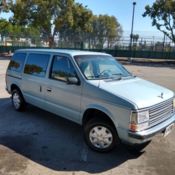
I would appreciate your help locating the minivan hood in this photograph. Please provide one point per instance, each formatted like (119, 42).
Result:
(140, 92)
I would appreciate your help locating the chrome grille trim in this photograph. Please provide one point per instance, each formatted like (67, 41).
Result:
(160, 112)
(155, 113)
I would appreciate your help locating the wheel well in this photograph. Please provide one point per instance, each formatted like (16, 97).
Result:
(14, 86)
(91, 113)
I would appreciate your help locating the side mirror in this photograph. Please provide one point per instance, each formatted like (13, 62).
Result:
(73, 80)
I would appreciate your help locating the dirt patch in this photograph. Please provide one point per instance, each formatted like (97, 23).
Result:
(158, 151)
(11, 162)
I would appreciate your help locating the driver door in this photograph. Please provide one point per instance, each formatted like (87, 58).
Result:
(61, 97)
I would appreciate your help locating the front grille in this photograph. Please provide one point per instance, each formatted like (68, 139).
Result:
(160, 112)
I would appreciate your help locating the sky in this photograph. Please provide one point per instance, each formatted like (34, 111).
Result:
(122, 10)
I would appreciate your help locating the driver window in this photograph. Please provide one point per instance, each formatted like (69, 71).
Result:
(61, 68)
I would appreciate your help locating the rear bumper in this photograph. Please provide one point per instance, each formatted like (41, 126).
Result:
(146, 135)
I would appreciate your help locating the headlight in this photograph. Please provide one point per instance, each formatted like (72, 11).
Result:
(139, 120)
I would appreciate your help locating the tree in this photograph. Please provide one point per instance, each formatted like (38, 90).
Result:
(82, 22)
(106, 30)
(2, 4)
(76, 34)
(4, 25)
(16, 32)
(71, 22)
(162, 13)
(135, 37)
(96, 31)
(46, 16)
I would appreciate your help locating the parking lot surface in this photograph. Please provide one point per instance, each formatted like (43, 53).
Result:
(36, 142)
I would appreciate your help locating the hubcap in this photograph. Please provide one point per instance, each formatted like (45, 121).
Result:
(101, 137)
(16, 100)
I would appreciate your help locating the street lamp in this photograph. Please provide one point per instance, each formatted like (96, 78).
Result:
(132, 28)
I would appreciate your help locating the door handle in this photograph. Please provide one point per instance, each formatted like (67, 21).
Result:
(49, 90)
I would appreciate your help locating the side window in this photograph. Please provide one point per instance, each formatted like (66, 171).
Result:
(17, 62)
(61, 68)
(37, 64)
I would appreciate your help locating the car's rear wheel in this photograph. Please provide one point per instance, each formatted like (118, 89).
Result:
(100, 135)
(18, 100)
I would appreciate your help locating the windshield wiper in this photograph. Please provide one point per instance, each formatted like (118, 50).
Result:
(116, 76)
(101, 74)
(95, 77)
(120, 77)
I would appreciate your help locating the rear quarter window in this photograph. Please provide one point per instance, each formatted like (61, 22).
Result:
(17, 62)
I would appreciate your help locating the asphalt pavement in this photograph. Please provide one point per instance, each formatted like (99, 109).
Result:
(36, 142)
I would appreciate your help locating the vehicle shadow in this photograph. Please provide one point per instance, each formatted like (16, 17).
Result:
(53, 142)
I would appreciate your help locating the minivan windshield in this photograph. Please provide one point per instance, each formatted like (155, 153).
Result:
(101, 67)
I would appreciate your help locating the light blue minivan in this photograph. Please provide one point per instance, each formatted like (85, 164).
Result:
(94, 90)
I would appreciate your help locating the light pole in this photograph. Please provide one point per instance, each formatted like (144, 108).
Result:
(132, 28)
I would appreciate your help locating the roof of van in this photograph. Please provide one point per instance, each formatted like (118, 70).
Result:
(65, 51)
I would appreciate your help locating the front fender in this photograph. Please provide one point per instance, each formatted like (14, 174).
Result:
(102, 109)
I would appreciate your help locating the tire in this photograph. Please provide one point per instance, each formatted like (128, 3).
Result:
(18, 100)
(96, 130)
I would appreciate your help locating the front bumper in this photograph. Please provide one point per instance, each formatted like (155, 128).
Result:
(146, 135)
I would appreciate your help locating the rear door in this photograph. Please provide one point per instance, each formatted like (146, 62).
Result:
(34, 78)
(61, 97)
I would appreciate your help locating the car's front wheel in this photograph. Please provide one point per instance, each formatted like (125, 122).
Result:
(18, 100)
(100, 135)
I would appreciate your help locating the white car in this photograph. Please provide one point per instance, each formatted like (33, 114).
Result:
(94, 90)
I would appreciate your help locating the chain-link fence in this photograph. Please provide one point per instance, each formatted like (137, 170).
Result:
(147, 47)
